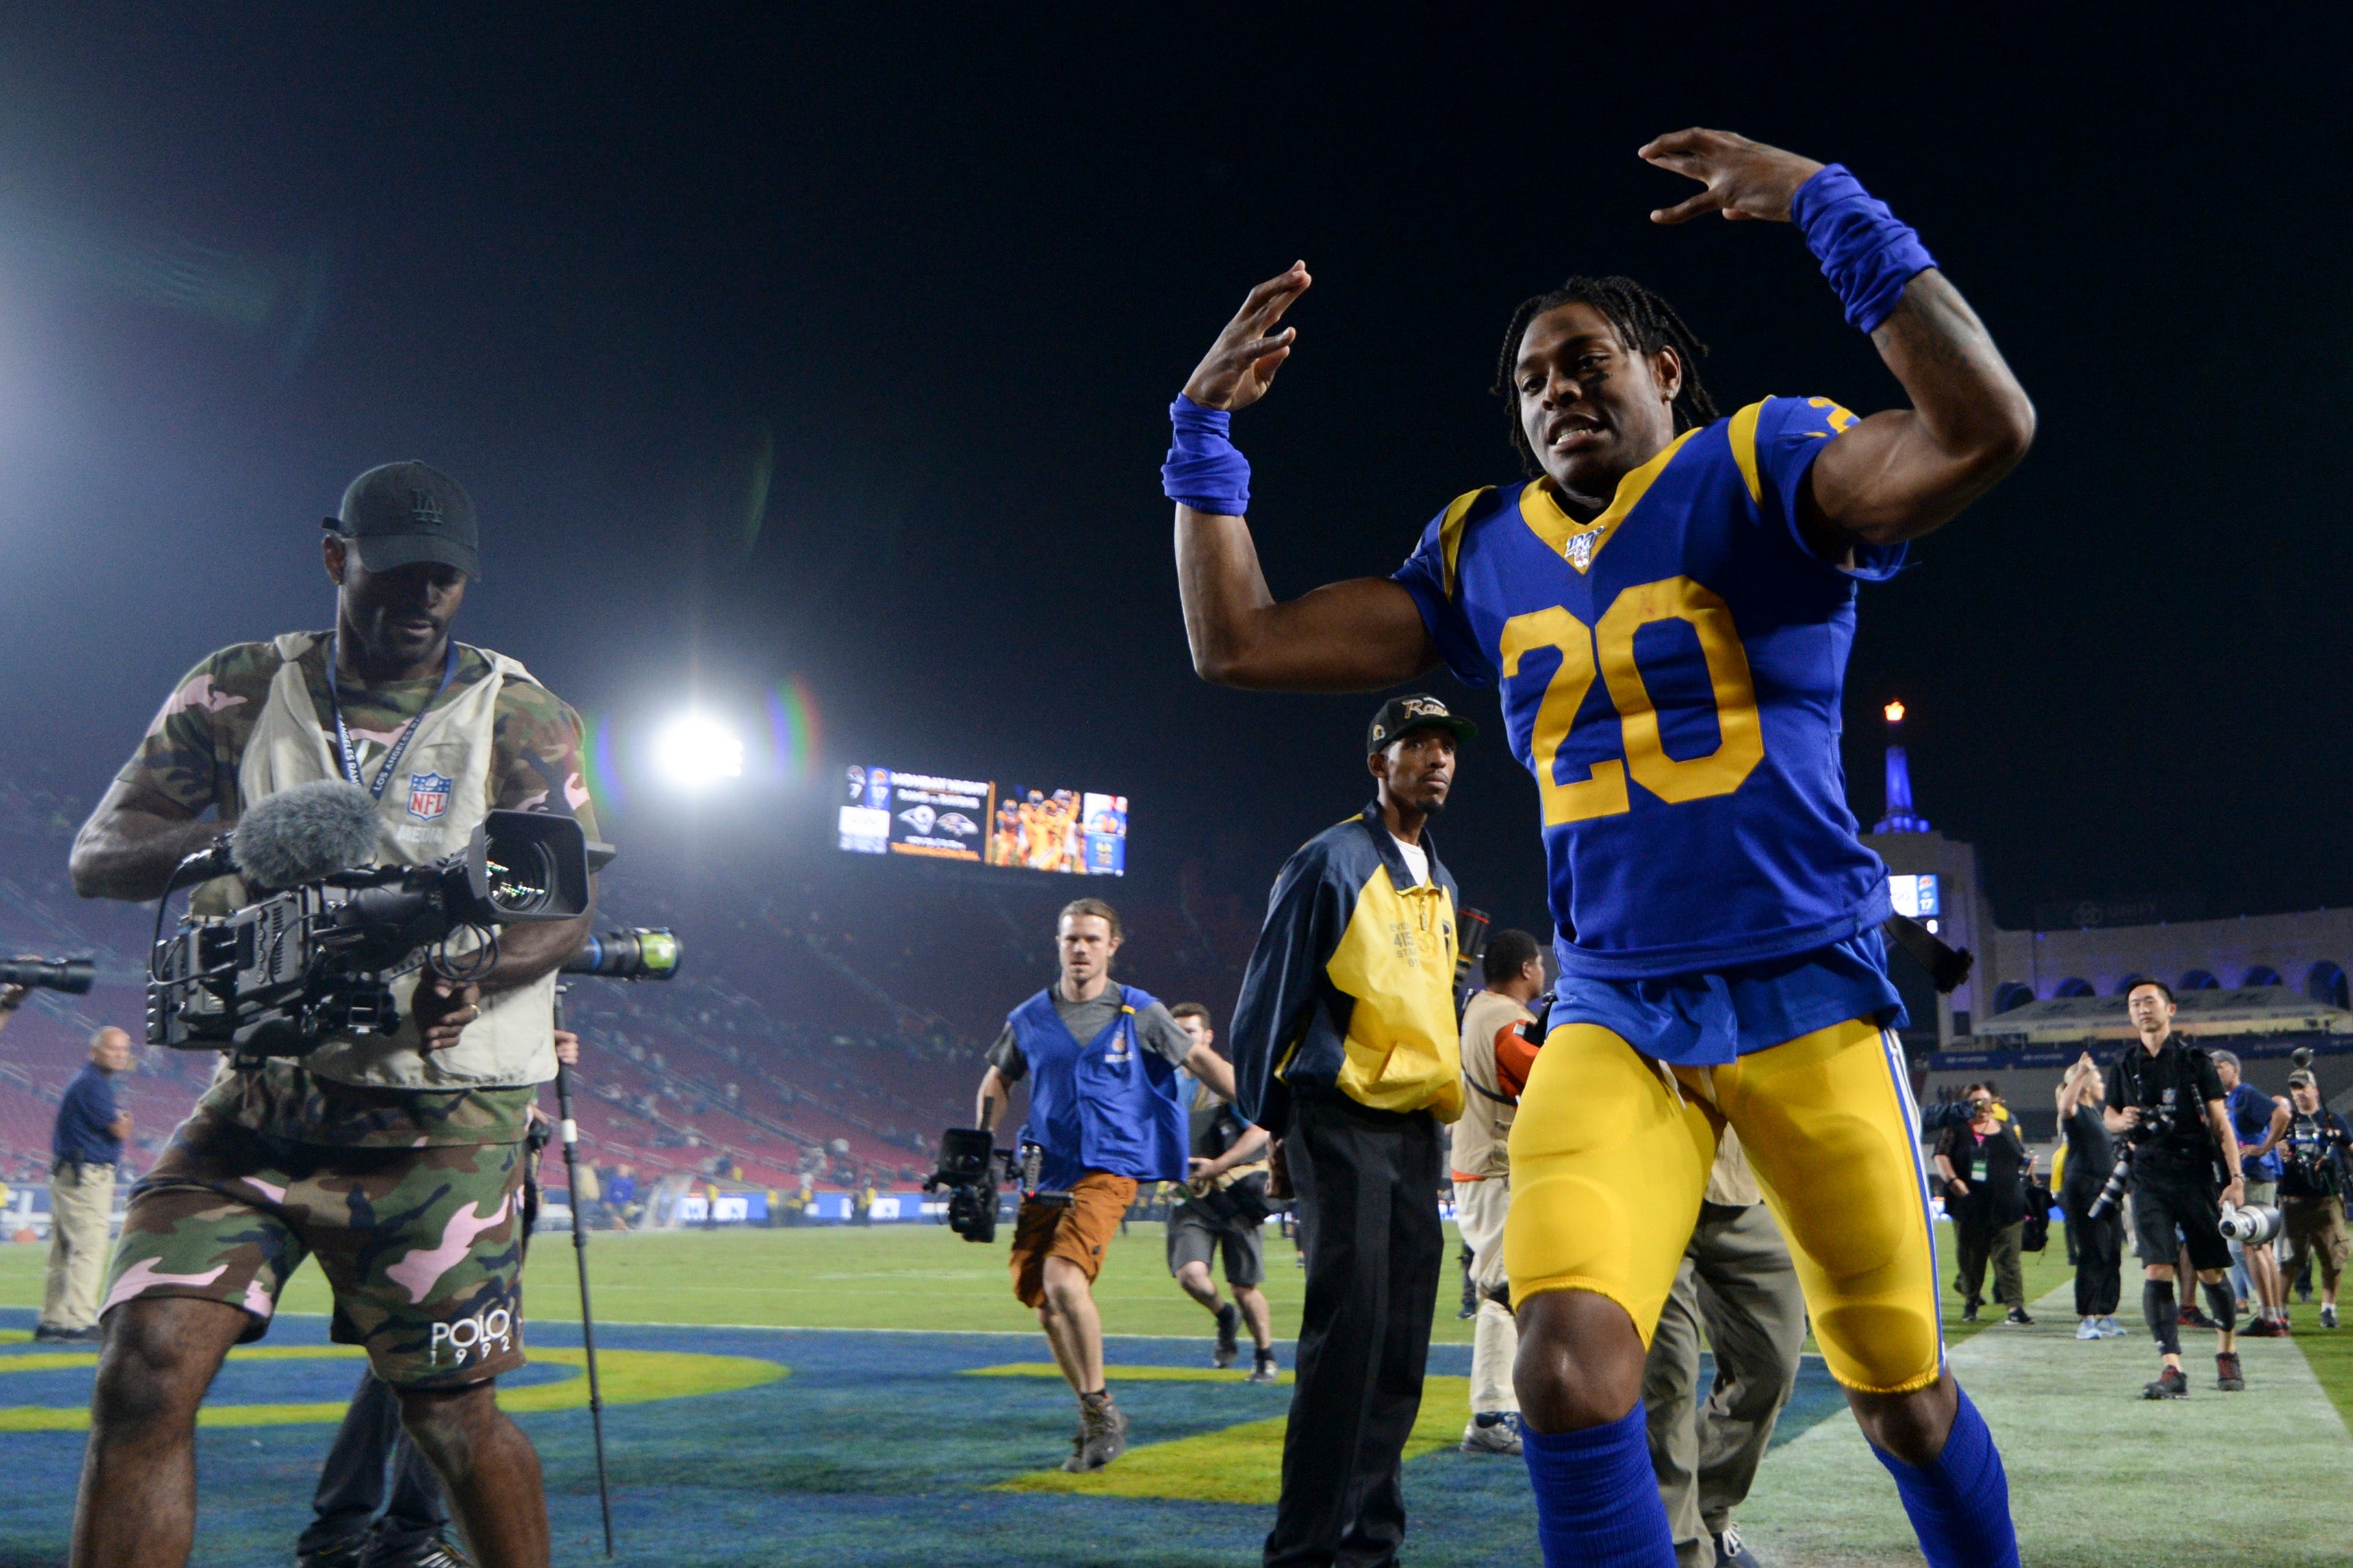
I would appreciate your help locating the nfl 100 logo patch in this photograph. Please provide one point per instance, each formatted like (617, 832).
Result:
(1580, 548)
(428, 795)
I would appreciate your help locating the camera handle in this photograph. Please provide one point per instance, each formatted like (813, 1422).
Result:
(571, 1131)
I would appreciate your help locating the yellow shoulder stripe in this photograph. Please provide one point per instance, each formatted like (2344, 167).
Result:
(1449, 532)
(1542, 513)
(1744, 447)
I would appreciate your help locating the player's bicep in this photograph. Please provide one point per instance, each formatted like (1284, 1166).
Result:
(1356, 635)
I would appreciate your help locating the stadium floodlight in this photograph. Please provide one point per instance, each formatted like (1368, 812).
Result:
(697, 751)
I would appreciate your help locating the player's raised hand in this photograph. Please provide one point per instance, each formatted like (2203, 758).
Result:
(1745, 179)
(1241, 365)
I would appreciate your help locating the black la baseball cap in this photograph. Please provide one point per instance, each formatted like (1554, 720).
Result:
(398, 514)
(1404, 715)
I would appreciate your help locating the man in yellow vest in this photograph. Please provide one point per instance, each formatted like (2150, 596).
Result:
(1344, 1045)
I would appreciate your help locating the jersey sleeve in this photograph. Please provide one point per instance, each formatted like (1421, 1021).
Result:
(1430, 576)
(1788, 435)
(538, 746)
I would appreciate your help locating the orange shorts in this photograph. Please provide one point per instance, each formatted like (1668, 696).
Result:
(1078, 1230)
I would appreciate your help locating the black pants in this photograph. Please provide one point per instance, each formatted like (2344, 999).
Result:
(1367, 1186)
(1977, 1245)
(2099, 1253)
(352, 1483)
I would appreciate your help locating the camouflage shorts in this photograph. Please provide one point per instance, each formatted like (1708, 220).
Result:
(423, 1247)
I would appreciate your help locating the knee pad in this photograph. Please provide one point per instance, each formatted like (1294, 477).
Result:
(2164, 1318)
(2223, 1304)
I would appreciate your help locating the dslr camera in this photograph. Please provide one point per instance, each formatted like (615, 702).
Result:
(973, 1169)
(71, 976)
(316, 960)
(2155, 1122)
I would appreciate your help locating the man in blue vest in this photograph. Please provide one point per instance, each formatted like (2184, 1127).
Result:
(1102, 1060)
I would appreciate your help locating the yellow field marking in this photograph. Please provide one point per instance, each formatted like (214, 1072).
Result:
(627, 1377)
(1237, 1464)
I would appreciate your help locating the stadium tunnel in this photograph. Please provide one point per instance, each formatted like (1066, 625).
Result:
(2325, 983)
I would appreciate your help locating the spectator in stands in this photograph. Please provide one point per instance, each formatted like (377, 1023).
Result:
(87, 1147)
(2261, 1121)
(1346, 1047)
(2314, 1179)
(2099, 1239)
(1223, 1210)
(1102, 1060)
(401, 1150)
(621, 1197)
(1497, 1054)
(1985, 1166)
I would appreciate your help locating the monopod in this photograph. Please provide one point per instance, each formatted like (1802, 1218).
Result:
(642, 954)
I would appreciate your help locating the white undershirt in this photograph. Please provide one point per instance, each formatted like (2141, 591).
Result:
(1417, 860)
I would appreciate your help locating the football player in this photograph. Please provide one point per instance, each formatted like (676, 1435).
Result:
(1665, 608)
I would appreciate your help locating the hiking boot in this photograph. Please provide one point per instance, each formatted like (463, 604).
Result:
(1229, 1318)
(1493, 1432)
(1103, 1435)
(2328, 1315)
(1262, 1369)
(1731, 1552)
(2227, 1375)
(2173, 1384)
(2018, 1315)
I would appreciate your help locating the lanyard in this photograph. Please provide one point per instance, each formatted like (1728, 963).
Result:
(350, 757)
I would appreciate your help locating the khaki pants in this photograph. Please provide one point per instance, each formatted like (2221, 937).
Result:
(1479, 1210)
(1737, 1281)
(82, 1202)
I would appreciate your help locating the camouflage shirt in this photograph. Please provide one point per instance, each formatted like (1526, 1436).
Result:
(191, 755)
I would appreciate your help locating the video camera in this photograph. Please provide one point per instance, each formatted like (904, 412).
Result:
(71, 976)
(316, 959)
(972, 1170)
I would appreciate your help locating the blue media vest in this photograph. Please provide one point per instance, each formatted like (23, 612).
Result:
(1106, 1105)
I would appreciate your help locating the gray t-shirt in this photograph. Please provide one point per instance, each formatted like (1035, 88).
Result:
(1161, 1034)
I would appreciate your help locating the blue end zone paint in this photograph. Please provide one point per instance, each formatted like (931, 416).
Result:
(874, 1451)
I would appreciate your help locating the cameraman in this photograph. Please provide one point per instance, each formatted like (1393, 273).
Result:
(2167, 1098)
(2261, 1121)
(2315, 1175)
(397, 1158)
(1102, 1061)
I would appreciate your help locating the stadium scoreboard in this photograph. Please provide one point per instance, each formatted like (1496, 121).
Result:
(1915, 896)
(1077, 832)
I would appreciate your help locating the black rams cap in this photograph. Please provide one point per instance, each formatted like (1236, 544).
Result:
(1404, 715)
(399, 515)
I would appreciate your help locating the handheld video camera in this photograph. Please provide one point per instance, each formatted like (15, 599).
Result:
(972, 1170)
(70, 975)
(317, 961)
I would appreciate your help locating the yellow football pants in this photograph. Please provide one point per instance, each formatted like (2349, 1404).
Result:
(1611, 1153)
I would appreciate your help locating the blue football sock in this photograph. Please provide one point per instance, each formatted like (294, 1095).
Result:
(1959, 1502)
(1597, 1498)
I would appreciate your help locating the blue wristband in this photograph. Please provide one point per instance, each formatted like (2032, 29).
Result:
(1203, 470)
(1866, 253)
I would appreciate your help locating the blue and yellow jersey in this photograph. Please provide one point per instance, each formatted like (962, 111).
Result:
(1671, 673)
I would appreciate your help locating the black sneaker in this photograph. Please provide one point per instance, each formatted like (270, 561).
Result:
(2174, 1385)
(343, 1554)
(1229, 1318)
(1969, 1314)
(45, 1334)
(433, 1552)
(1262, 1369)
(1731, 1552)
(2018, 1315)
(2193, 1318)
(2227, 1375)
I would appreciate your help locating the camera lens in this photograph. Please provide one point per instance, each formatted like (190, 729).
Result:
(522, 878)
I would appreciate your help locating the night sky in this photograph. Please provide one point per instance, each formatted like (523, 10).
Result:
(931, 279)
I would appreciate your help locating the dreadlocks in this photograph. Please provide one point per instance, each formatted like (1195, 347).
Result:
(1645, 322)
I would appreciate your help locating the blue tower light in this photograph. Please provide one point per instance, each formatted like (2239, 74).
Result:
(1900, 817)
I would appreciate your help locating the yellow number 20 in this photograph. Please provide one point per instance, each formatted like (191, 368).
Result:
(1740, 738)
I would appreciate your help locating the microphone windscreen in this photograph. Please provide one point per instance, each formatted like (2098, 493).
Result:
(302, 834)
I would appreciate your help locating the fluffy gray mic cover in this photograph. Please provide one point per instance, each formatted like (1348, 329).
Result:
(302, 834)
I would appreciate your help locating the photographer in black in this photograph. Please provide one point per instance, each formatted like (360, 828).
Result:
(2166, 1099)
(2316, 1173)
(2099, 1237)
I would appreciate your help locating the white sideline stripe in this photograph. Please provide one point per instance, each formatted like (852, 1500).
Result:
(2097, 1475)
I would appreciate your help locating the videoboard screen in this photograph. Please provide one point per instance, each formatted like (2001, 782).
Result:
(1019, 827)
(1915, 896)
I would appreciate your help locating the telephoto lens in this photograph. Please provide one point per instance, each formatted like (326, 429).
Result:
(641, 953)
(73, 976)
(2252, 1226)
